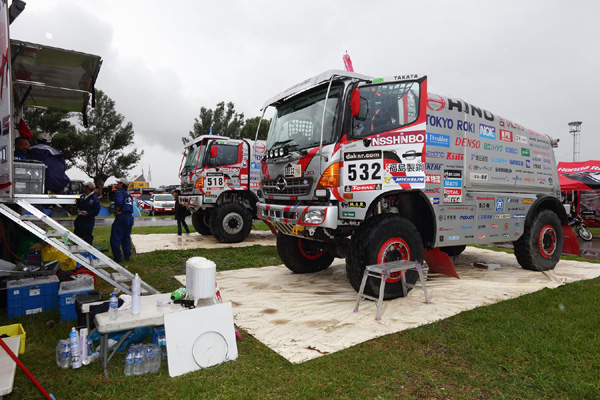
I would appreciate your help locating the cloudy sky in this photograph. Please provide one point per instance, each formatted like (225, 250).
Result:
(536, 63)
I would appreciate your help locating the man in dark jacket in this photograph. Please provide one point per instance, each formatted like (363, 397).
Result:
(89, 207)
(120, 233)
(56, 178)
(180, 213)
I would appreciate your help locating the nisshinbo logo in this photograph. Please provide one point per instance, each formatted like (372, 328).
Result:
(395, 140)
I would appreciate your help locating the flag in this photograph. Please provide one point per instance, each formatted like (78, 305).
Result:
(210, 133)
(348, 62)
(149, 175)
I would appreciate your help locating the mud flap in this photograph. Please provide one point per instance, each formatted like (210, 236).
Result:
(570, 242)
(439, 262)
(271, 227)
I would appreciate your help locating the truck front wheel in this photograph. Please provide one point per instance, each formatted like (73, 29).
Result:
(540, 247)
(383, 238)
(231, 223)
(200, 221)
(302, 255)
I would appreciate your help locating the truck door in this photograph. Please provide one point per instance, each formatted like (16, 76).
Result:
(385, 147)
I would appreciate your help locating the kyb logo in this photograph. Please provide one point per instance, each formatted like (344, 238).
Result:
(487, 132)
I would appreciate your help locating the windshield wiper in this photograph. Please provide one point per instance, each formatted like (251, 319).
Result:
(280, 143)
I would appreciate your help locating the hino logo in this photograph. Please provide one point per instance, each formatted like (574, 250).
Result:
(281, 183)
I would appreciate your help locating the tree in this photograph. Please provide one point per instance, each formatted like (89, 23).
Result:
(224, 122)
(250, 126)
(102, 145)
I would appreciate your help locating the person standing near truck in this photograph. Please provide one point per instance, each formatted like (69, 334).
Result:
(56, 178)
(21, 147)
(120, 234)
(180, 214)
(89, 207)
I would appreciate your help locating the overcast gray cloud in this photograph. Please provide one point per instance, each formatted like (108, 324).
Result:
(533, 62)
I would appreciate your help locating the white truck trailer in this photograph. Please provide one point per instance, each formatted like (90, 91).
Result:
(378, 170)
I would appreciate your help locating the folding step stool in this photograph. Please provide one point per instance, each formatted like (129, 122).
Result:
(384, 271)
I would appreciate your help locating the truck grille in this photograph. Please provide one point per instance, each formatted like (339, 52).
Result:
(287, 186)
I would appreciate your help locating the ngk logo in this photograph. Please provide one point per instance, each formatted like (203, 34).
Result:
(395, 140)
(486, 131)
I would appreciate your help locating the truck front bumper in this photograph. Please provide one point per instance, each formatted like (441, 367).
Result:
(305, 216)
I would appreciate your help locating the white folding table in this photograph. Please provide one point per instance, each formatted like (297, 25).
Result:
(8, 365)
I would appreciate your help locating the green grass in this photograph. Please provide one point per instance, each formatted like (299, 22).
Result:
(543, 345)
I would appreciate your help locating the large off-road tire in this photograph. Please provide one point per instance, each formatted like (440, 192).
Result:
(200, 221)
(231, 223)
(302, 255)
(540, 246)
(453, 251)
(383, 238)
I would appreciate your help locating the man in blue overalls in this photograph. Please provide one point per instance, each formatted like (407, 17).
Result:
(120, 234)
(89, 206)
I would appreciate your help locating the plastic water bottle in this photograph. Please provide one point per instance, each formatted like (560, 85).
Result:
(113, 306)
(129, 363)
(138, 360)
(63, 354)
(74, 348)
(135, 294)
(149, 352)
(162, 342)
(156, 365)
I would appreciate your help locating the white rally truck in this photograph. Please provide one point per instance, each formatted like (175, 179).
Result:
(219, 179)
(377, 170)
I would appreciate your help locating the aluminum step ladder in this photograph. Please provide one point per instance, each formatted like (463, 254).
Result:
(72, 246)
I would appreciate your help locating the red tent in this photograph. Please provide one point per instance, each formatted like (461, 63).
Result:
(584, 175)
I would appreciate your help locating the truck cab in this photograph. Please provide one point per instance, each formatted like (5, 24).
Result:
(219, 179)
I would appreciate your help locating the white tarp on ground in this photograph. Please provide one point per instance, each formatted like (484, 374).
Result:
(302, 317)
(148, 243)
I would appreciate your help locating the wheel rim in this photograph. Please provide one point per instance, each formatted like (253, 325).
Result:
(308, 253)
(233, 223)
(547, 241)
(393, 249)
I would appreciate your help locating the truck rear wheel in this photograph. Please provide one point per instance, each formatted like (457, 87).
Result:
(302, 255)
(383, 238)
(200, 221)
(540, 247)
(231, 223)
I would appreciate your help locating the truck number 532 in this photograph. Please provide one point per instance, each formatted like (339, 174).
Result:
(364, 172)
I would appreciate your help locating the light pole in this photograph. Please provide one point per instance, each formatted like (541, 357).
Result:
(575, 130)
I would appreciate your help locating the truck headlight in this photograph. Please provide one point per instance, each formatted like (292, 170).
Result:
(314, 217)
(199, 183)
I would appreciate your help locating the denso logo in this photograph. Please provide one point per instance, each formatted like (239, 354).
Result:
(435, 154)
(434, 139)
(488, 132)
(505, 135)
(464, 142)
(511, 150)
(455, 156)
(395, 140)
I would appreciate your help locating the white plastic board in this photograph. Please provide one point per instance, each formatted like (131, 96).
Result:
(200, 338)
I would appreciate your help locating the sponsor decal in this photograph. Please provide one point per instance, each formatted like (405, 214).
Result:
(354, 204)
(506, 235)
(516, 162)
(485, 206)
(453, 237)
(230, 170)
(452, 183)
(465, 142)
(480, 236)
(487, 131)
(502, 216)
(494, 226)
(435, 200)
(435, 154)
(499, 160)
(452, 174)
(447, 217)
(396, 140)
(478, 177)
(361, 188)
(525, 152)
(439, 122)
(434, 139)
(292, 171)
(499, 205)
(409, 167)
(511, 150)
(435, 102)
(485, 216)
(466, 227)
(469, 236)
(521, 139)
(255, 185)
(455, 156)
(505, 135)
(465, 126)
(480, 226)
(459, 105)
(478, 157)
(452, 195)
(519, 216)
(493, 147)
(349, 214)
(409, 179)
(504, 170)
(527, 201)
(433, 166)
(434, 179)
(467, 217)
(362, 155)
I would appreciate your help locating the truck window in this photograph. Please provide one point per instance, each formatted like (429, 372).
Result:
(226, 155)
(192, 157)
(297, 123)
(388, 106)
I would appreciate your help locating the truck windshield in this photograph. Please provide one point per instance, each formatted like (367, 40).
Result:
(297, 122)
(192, 157)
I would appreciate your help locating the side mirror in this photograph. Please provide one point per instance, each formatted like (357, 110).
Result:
(364, 110)
(213, 152)
(355, 102)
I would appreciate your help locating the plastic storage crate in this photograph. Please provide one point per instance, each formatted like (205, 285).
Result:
(31, 296)
(29, 177)
(15, 330)
(67, 293)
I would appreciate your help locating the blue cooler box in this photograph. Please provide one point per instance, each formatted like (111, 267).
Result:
(31, 295)
(67, 293)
